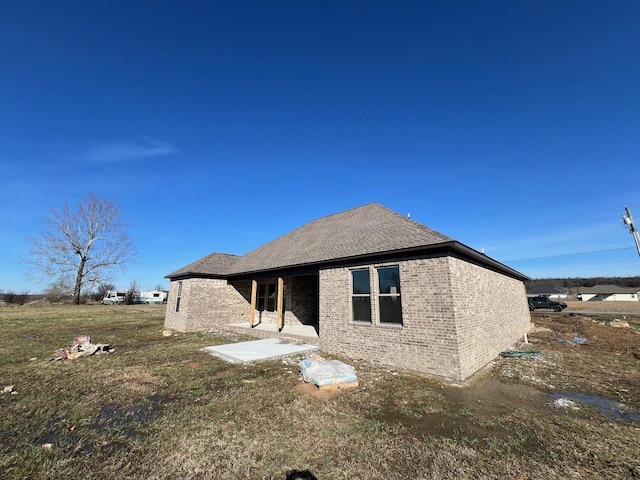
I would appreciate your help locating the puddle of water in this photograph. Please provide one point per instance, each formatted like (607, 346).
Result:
(491, 396)
(609, 408)
(495, 397)
(474, 412)
(477, 412)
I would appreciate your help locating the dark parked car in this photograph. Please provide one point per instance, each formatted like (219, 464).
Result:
(545, 302)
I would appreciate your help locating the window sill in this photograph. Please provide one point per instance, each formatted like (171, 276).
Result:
(392, 326)
(384, 326)
(360, 324)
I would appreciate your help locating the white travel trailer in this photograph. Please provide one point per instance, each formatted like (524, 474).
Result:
(150, 297)
(114, 297)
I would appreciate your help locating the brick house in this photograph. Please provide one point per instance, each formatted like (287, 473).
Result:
(372, 283)
(609, 293)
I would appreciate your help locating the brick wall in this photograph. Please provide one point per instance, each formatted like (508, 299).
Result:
(457, 316)
(209, 303)
(491, 312)
(447, 330)
(206, 303)
(301, 300)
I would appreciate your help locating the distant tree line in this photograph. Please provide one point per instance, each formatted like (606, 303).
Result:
(584, 282)
(11, 297)
(58, 292)
(15, 298)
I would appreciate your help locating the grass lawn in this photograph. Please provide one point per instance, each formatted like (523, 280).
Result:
(158, 407)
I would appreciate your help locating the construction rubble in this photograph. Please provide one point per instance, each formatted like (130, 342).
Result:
(81, 347)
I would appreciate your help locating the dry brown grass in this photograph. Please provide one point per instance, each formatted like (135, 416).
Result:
(161, 408)
(618, 307)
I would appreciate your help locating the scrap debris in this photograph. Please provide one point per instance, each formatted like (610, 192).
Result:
(81, 347)
(520, 353)
(619, 323)
(9, 389)
(576, 340)
(326, 374)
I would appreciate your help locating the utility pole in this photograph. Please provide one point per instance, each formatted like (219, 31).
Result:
(627, 219)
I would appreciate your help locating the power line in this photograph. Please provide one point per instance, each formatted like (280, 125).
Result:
(569, 254)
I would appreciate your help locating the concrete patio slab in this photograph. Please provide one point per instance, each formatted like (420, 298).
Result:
(258, 350)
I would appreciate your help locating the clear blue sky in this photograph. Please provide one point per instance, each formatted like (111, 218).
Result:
(512, 127)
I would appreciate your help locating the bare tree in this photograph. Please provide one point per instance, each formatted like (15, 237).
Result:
(23, 297)
(132, 294)
(102, 289)
(59, 289)
(16, 298)
(88, 243)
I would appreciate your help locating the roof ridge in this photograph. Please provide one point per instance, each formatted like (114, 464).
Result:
(370, 230)
(365, 230)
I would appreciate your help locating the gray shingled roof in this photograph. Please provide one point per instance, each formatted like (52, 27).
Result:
(544, 290)
(217, 264)
(360, 231)
(368, 230)
(608, 289)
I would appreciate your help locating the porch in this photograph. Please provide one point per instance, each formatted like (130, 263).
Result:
(270, 330)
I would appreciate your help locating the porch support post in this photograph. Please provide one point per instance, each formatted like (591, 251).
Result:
(280, 301)
(254, 291)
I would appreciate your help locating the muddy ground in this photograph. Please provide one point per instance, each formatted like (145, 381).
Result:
(594, 354)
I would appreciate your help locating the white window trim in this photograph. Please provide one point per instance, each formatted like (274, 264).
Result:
(361, 295)
(394, 295)
(374, 295)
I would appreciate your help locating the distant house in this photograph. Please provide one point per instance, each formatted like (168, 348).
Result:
(370, 283)
(609, 293)
(546, 291)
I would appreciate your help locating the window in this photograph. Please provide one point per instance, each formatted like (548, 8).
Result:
(389, 295)
(179, 295)
(267, 297)
(361, 295)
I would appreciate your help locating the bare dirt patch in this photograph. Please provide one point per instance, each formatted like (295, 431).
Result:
(315, 392)
(607, 364)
